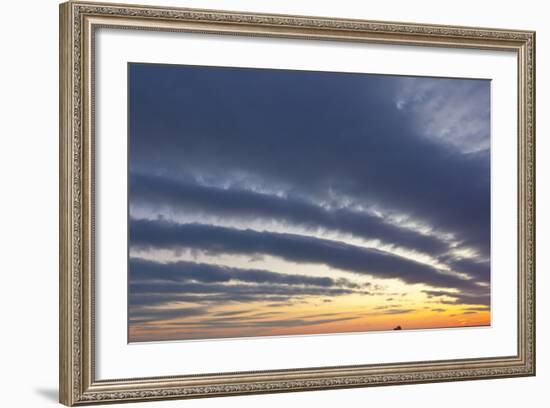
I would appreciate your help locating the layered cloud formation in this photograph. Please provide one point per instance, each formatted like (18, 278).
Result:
(284, 202)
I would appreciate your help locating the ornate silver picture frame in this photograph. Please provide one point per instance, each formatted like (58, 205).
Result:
(79, 23)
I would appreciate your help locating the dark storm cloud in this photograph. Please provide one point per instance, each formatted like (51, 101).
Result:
(477, 269)
(159, 193)
(297, 248)
(322, 136)
(152, 284)
(143, 270)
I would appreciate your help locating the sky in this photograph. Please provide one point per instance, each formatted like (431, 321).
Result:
(277, 202)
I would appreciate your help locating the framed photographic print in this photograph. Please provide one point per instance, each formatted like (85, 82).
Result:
(256, 203)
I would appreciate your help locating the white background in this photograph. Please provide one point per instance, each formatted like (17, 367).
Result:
(117, 359)
(28, 216)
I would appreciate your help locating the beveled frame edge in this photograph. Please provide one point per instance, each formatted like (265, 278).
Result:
(76, 346)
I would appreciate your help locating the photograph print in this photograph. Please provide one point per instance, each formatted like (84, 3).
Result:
(269, 202)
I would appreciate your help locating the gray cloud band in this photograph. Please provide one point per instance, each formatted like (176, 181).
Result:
(296, 248)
